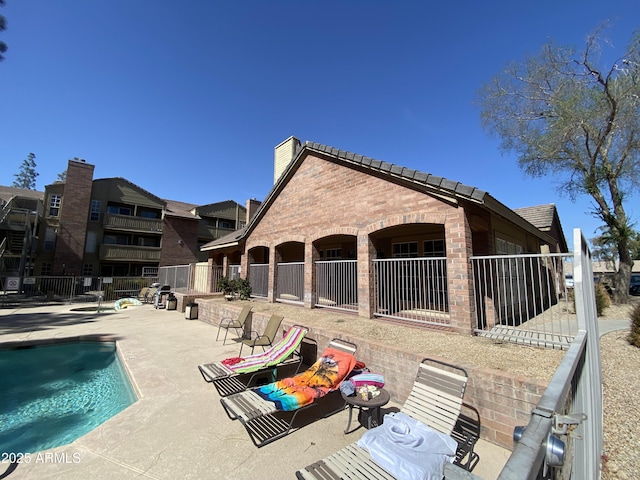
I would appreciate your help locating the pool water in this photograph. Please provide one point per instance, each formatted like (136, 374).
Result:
(53, 394)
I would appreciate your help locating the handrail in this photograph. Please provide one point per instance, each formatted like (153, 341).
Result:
(529, 453)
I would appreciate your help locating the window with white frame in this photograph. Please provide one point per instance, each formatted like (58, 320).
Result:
(54, 205)
(46, 268)
(94, 215)
(87, 270)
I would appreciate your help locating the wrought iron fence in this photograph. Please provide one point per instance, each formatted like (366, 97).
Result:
(337, 284)
(216, 274)
(259, 279)
(524, 299)
(564, 437)
(234, 272)
(413, 289)
(69, 289)
(290, 282)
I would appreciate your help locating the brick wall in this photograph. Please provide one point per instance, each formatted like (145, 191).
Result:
(325, 198)
(503, 400)
(179, 241)
(74, 215)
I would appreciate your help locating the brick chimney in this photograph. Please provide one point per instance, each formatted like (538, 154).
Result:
(74, 215)
(252, 207)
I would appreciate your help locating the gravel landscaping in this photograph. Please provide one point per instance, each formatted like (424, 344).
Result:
(621, 380)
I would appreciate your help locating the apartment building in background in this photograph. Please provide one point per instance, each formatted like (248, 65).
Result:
(104, 227)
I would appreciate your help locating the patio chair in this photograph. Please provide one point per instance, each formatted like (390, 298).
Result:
(436, 401)
(229, 378)
(268, 412)
(267, 337)
(142, 294)
(235, 323)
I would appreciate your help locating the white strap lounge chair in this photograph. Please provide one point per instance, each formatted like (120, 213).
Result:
(436, 401)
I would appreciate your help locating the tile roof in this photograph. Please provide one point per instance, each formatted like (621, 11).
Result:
(425, 181)
(540, 216)
(414, 176)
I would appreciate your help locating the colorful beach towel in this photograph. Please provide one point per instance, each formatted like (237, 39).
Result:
(321, 378)
(273, 356)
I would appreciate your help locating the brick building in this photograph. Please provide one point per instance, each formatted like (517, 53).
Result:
(343, 231)
(112, 227)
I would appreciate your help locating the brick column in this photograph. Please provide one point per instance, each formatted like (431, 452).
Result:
(366, 282)
(274, 259)
(311, 255)
(459, 249)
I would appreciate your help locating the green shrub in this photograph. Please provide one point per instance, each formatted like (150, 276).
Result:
(602, 298)
(225, 285)
(237, 286)
(243, 288)
(634, 336)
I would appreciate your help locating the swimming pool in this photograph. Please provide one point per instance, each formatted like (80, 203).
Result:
(53, 394)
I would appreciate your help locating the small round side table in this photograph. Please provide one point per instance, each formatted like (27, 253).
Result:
(371, 408)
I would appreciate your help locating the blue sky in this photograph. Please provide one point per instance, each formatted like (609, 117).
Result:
(188, 99)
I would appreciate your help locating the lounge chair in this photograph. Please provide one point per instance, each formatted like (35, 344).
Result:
(263, 411)
(235, 323)
(267, 337)
(147, 294)
(228, 377)
(142, 294)
(436, 401)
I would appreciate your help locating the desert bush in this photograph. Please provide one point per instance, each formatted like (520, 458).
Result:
(603, 300)
(634, 336)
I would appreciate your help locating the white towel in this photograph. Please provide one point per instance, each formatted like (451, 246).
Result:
(409, 449)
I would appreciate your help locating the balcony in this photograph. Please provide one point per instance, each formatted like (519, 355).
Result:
(213, 232)
(129, 253)
(128, 223)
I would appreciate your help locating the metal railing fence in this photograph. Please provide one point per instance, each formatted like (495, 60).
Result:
(259, 279)
(337, 284)
(524, 299)
(290, 282)
(564, 437)
(413, 289)
(234, 272)
(216, 274)
(178, 277)
(70, 289)
(189, 278)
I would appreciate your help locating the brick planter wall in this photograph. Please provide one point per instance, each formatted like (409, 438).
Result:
(503, 400)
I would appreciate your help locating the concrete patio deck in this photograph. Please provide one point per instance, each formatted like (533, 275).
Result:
(177, 429)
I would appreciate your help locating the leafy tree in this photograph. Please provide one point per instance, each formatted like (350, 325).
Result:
(604, 247)
(27, 176)
(3, 27)
(565, 115)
